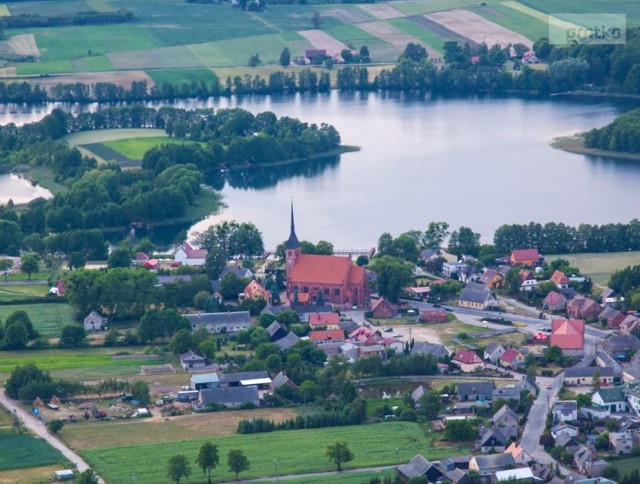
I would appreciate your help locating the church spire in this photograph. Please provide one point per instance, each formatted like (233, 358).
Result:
(292, 243)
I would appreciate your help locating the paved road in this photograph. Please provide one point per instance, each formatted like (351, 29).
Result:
(317, 474)
(38, 428)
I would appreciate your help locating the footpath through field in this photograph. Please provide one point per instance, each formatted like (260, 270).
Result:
(38, 428)
(317, 474)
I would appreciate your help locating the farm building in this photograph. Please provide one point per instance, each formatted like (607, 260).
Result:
(203, 381)
(190, 360)
(382, 308)
(95, 321)
(230, 397)
(188, 256)
(217, 323)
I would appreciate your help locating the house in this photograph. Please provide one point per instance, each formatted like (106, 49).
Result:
(494, 352)
(290, 340)
(456, 476)
(629, 325)
(487, 465)
(506, 420)
(621, 443)
(524, 257)
(324, 320)
(220, 323)
(620, 346)
(276, 331)
(477, 296)
(567, 442)
(255, 290)
(584, 376)
(140, 259)
(456, 462)
(586, 461)
(361, 334)
(350, 351)
(259, 379)
(492, 279)
(312, 54)
(520, 475)
(430, 254)
(492, 440)
(565, 411)
(280, 380)
(327, 336)
(508, 392)
(60, 287)
(202, 381)
(307, 275)
(230, 397)
(434, 316)
(473, 391)
(512, 358)
(468, 361)
(560, 280)
(373, 350)
(554, 302)
(468, 274)
(383, 309)
(613, 399)
(191, 360)
(188, 256)
(632, 392)
(563, 429)
(95, 322)
(568, 335)
(604, 359)
(419, 467)
(417, 394)
(582, 308)
(527, 280)
(238, 271)
(436, 350)
(451, 268)
(518, 453)
(612, 317)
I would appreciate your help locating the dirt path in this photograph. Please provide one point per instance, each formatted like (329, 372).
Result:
(38, 428)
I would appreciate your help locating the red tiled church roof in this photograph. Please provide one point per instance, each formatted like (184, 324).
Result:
(321, 269)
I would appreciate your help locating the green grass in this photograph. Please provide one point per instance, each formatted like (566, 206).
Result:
(47, 319)
(515, 20)
(95, 63)
(600, 266)
(180, 76)
(352, 478)
(419, 7)
(32, 290)
(23, 451)
(349, 33)
(411, 28)
(48, 67)
(297, 451)
(135, 148)
(23, 276)
(625, 466)
(629, 7)
(102, 135)
(45, 177)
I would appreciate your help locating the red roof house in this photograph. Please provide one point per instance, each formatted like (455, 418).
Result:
(326, 320)
(555, 302)
(582, 308)
(361, 334)
(434, 316)
(188, 256)
(527, 257)
(467, 361)
(255, 290)
(512, 358)
(381, 308)
(327, 336)
(567, 334)
(560, 280)
(60, 287)
(612, 317)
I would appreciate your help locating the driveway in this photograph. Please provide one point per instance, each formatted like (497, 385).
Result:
(38, 428)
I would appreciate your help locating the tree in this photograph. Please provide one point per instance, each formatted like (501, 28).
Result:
(55, 426)
(178, 467)
(392, 276)
(5, 265)
(460, 431)
(254, 60)
(285, 57)
(364, 54)
(611, 472)
(362, 260)
(520, 49)
(16, 336)
(72, 336)
(324, 248)
(430, 404)
(22, 317)
(120, 257)
(208, 348)
(181, 341)
(208, 458)
(87, 477)
(414, 52)
(315, 20)
(22, 375)
(140, 391)
(76, 260)
(339, 453)
(435, 234)
(29, 264)
(237, 462)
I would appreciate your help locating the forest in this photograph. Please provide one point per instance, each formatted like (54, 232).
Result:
(623, 134)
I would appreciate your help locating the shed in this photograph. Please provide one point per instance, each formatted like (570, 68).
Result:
(63, 475)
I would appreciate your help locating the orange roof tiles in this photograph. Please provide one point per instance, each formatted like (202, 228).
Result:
(324, 319)
(567, 334)
(329, 334)
(321, 269)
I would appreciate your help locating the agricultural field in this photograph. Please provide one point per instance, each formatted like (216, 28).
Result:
(30, 475)
(19, 451)
(47, 318)
(135, 148)
(178, 77)
(372, 445)
(16, 293)
(600, 266)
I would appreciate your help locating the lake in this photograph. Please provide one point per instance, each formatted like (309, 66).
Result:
(477, 162)
(20, 190)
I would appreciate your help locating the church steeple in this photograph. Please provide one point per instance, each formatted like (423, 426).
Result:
(293, 242)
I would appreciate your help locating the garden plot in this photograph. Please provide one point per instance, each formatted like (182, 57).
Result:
(24, 44)
(395, 37)
(347, 15)
(321, 40)
(478, 29)
(382, 11)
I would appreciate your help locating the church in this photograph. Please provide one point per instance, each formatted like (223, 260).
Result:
(335, 279)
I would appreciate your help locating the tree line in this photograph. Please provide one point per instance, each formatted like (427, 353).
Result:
(623, 134)
(90, 17)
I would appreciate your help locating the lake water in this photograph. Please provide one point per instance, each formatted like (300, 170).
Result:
(20, 190)
(479, 162)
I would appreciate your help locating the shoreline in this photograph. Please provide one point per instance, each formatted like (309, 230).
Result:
(575, 144)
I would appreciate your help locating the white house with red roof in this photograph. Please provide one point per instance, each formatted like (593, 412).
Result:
(308, 275)
(560, 280)
(512, 358)
(568, 335)
(468, 361)
(525, 257)
(255, 290)
(188, 256)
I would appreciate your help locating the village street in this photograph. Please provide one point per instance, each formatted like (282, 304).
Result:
(38, 428)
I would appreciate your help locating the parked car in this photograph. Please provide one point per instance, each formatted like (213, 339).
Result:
(388, 330)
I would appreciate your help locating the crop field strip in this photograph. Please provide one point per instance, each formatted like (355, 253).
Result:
(631, 8)
(397, 38)
(23, 451)
(135, 148)
(47, 319)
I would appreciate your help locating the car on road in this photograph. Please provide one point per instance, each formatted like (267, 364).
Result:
(549, 386)
(448, 309)
(388, 330)
(436, 305)
(546, 330)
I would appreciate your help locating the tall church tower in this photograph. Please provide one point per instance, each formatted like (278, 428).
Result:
(292, 249)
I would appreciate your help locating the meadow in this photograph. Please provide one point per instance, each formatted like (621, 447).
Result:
(48, 319)
(22, 451)
(296, 451)
(135, 148)
(600, 266)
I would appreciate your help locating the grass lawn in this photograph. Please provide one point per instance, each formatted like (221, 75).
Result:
(94, 434)
(625, 466)
(20, 451)
(45, 67)
(418, 7)
(47, 319)
(297, 451)
(102, 135)
(355, 478)
(45, 177)
(374, 404)
(515, 20)
(631, 8)
(23, 276)
(600, 266)
(180, 76)
(135, 148)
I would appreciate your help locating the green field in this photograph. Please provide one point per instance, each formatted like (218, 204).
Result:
(102, 135)
(47, 319)
(625, 466)
(23, 451)
(17, 293)
(180, 76)
(135, 148)
(631, 8)
(515, 20)
(409, 27)
(599, 266)
(297, 452)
